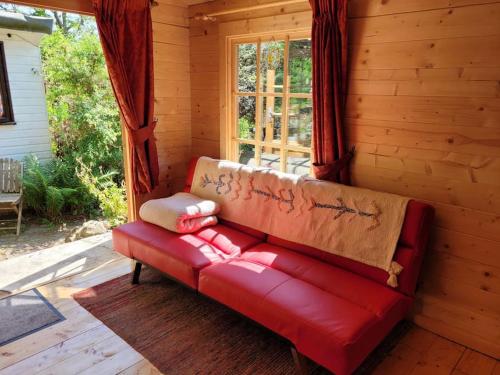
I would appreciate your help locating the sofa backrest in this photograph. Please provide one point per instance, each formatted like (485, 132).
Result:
(409, 253)
(190, 174)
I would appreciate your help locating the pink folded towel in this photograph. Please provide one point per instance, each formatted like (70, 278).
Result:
(181, 213)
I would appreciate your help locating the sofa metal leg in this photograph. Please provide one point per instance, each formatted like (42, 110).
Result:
(137, 273)
(301, 365)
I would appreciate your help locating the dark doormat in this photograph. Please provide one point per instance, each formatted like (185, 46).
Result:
(25, 313)
(181, 332)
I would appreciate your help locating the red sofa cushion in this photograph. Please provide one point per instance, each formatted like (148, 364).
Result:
(242, 228)
(180, 255)
(333, 316)
(333, 280)
(230, 240)
(409, 253)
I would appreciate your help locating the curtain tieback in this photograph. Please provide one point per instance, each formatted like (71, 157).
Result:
(330, 171)
(141, 135)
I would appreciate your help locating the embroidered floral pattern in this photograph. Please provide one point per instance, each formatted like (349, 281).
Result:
(222, 181)
(284, 203)
(342, 209)
(237, 188)
(286, 198)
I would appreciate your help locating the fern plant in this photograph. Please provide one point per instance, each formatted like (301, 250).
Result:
(110, 195)
(40, 192)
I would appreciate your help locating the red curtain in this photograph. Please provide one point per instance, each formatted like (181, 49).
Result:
(329, 56)
(125, 29)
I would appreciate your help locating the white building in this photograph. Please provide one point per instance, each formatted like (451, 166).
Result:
(24, 125)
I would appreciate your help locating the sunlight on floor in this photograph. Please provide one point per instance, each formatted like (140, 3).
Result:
(35, 269)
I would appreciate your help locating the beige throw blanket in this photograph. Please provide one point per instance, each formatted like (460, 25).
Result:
(359, 224)
(181, 213)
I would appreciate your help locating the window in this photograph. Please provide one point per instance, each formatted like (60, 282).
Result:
(271, 117)
(6, 112)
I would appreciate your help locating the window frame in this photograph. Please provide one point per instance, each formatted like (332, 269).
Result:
(232, 63)
(6, 98)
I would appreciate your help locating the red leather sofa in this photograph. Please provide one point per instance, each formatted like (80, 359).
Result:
(333, 310)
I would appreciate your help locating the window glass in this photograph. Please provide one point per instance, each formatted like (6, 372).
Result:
(300, 66)
(300, 122)
(247, 67)
(246, 154)
(272, 118)
(272, 66)
(271, 107)
(6, 110)
(270, 158)
(246, 117)
(298, 163)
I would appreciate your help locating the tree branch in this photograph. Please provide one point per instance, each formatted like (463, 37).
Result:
(58, 20)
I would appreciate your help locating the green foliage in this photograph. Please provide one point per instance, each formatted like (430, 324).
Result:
(247, 75)
(86, 175)
(111, 197)
(247, 131)
(83, 115)
(272, 55)
(300, 66)
(247, 67)
(41, 190)
(247, 128)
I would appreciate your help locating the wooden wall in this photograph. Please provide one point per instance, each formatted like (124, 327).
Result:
(172, 93)
(204, 59)
(424, 113)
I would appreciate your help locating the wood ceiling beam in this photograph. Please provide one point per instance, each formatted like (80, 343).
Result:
(224, 7)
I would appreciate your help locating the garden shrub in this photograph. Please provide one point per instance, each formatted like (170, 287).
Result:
(111, 196)
(83, 114)
(43, 193)
(85, 177)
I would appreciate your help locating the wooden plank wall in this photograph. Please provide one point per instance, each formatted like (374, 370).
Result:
(424, 113)
(172, 93)
(205, 117)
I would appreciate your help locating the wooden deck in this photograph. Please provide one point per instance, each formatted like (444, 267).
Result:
(82, 344)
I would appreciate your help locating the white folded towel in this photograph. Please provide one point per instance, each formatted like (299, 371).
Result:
(181, 213)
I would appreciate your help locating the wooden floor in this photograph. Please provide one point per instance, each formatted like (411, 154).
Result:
(83, 345)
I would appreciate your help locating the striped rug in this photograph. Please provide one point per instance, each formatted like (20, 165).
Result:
(181, 332)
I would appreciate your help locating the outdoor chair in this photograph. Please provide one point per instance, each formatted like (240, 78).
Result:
(11, 191)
